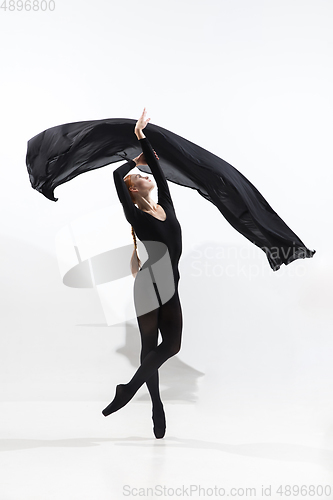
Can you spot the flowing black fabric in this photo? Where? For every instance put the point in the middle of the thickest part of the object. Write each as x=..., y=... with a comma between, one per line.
x=60, y=153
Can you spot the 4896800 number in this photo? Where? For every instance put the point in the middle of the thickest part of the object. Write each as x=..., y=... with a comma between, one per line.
x=26, y=5
x=311, y=490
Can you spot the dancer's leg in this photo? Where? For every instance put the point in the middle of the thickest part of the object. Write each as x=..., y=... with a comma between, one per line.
x=148, y=326
x=170, y=323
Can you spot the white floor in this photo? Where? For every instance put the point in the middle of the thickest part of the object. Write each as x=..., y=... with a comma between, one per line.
x=248, y=399
x=69, y=450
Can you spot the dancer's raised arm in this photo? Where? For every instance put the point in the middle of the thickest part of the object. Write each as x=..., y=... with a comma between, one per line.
x=151, y=158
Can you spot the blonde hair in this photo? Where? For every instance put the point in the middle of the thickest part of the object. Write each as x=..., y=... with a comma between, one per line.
x=135, y=261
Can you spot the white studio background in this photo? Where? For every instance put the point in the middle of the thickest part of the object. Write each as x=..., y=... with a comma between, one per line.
x=250, y=81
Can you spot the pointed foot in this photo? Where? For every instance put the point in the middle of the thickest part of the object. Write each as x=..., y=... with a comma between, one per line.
x=159, y=421
x=122, y=397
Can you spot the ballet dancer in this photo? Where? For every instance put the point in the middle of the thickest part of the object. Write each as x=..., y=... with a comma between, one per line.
x=151, y=222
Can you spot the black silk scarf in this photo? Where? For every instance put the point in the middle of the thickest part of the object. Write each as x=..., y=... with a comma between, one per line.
x=60, y=153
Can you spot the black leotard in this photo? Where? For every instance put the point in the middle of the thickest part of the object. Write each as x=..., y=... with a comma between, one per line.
x=146, y=226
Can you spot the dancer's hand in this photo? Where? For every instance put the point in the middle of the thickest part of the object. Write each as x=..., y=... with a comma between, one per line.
x=141, y=160
x=142, y=121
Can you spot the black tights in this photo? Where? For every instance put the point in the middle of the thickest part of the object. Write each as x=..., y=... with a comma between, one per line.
x=169, y=320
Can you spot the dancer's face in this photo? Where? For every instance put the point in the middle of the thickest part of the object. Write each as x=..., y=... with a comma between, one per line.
x=141, y=184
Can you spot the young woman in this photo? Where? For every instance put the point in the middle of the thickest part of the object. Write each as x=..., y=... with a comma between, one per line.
x=154, y=223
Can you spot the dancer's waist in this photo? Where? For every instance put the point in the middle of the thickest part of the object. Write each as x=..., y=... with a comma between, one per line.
x=157, y=274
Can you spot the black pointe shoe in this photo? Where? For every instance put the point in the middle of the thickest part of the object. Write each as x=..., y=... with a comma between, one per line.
x=122, y=397
x=159, y=422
